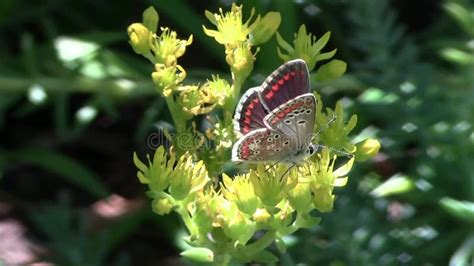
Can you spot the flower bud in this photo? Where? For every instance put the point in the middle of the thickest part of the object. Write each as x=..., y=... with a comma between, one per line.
x=261, y=215
x=240, y=60
x=367, y=149
x=162, y=206
x=139, y=36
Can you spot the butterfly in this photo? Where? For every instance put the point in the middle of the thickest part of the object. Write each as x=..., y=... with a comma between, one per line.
x=277, y=118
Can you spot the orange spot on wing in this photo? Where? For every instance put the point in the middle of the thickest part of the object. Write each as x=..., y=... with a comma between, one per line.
x=269, y=95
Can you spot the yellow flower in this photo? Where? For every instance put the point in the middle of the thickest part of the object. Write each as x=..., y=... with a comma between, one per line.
x=240, y=59
x=196, y=100
x=202, y=213
x=167, y=78
x=187, y=178
x=167, y=47
x=219, y=89
x=271, y=185
x=240, y=191
x=322, y=179
x=230, y=29
x=158, y=173
x=300, y=197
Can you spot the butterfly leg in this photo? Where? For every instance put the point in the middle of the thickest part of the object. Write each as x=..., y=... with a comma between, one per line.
x=271, y=166
x=287, y=170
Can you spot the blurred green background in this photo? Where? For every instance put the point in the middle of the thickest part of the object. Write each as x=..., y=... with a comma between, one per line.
x=76, y=101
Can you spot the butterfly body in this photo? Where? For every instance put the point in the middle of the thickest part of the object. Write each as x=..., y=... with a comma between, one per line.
x=277, y=118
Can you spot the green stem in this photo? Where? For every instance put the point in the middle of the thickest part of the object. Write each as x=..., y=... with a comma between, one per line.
x=179, y=120
x=260, y=244
x=176, y=114
x=229, y=107
x=222, y=259
x=188, y=222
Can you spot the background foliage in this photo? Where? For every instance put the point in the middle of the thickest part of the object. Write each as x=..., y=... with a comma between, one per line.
x=75, y=102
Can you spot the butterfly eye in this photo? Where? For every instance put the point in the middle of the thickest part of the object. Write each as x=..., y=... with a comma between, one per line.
x=269, y=139
x=258, y=141
x=277, y=150
x=308, y=111
x=286, y=142
x=276, y=136
x=287, y=121
x=256, y=152
x=300, y=122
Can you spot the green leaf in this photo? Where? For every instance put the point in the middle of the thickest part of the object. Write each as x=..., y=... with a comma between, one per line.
x=462, y=16
x=308, y=222
x=141, y=166
x=150, y=19
x=458, y=56
x=395, y=185
x=325, y=56
x=210, y=16
x=464, y=252
x=199, y=254
x=332, y=70
x=265, y=28
x=66, y=167
x=284, y=44
x=463, y=210
x=319, y=44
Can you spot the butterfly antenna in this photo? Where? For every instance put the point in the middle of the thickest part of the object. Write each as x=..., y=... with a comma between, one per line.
x=350, y=155
x=321, y=129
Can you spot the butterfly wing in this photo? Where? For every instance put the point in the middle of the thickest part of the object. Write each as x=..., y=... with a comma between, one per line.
x=285, y=83
x=294, y=118
x=250, y=112
x=262, y=145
